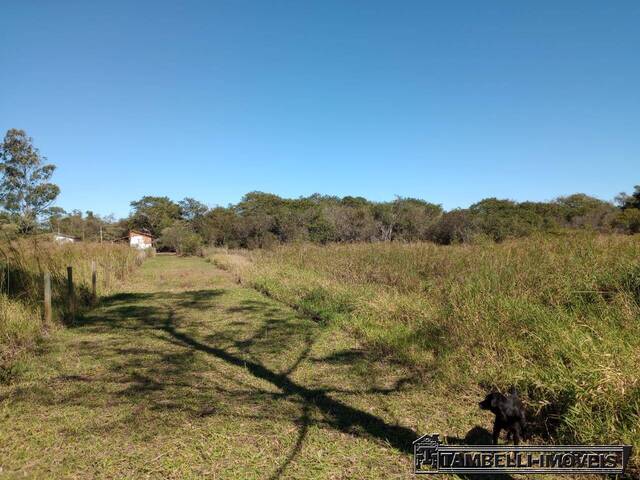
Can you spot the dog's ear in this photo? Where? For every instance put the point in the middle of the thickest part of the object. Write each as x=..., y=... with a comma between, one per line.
x=514, y=392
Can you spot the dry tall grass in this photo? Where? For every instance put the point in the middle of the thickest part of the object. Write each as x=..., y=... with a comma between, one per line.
x=557, y=316
x=22, y=264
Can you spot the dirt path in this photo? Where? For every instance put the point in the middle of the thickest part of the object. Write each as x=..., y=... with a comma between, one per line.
x=188, y=375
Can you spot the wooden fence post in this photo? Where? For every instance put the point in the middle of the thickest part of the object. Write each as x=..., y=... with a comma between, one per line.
x=94, y=281
x=70, y=294
x=47, y=298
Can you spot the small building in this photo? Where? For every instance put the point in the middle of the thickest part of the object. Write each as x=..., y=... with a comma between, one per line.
x=140, y=240
x=61, y=238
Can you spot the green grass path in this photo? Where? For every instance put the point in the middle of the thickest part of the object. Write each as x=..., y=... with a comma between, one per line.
x=187, y=375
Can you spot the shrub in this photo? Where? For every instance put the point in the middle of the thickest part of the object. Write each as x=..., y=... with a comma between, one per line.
x=181, y=239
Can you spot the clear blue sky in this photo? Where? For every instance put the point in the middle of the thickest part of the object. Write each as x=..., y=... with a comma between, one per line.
x=448, y=101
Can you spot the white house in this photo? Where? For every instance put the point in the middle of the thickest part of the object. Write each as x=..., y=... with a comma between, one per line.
x=140, y=240
x=60, y=238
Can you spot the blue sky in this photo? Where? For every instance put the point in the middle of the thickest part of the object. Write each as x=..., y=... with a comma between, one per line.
x=447, y=101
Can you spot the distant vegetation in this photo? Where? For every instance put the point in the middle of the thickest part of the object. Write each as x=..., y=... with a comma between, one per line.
x=264, y=220
x=555, y=315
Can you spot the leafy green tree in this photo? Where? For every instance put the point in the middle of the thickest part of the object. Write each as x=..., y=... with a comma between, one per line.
x=194, y=212
x=628, y=220
x=353, y=222
x=54, y=217
x=154, y=214
x=580, y=210
x=629, y=201
x=218, y=227
x=413, y=217
x=455, y=226
x=180, y=238
x=191, y=209
x=502, y=219
x=25, y=190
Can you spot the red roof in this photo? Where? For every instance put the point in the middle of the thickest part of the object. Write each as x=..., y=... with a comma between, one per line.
x=138, y=232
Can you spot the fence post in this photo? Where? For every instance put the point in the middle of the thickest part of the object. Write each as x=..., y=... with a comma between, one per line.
x=47, y=298
x=70, y=294
x=94, y=280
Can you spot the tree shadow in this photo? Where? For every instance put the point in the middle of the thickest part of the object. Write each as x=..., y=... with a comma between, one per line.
x=344, y=417
x=159, y=359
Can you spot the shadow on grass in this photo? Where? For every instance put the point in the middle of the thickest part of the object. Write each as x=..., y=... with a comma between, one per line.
x=156, y=348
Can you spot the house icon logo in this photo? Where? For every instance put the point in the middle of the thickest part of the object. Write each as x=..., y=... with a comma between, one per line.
x=425, y=453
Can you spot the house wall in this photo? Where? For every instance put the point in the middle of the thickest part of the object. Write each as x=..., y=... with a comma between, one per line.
x=140, y=241
x=61, y=239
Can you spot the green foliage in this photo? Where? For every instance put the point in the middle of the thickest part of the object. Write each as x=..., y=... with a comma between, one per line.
x=629, y=201
x=25, y=190
x=154, y=214
x=180, y=238
x=86, y=226
x=628, y=220
x=502, y=219
x=218, y=227
x=191, y=209
x=264, y=220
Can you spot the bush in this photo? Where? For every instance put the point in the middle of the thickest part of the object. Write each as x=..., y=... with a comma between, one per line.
x=628, y=220
x=181, y=239
x=190, y=244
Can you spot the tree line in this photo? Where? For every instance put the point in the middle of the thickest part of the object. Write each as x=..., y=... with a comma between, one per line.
x=261, y=220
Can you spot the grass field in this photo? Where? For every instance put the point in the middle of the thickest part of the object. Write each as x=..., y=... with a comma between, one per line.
x=557, y=316
x=186, y=373
x=22, y=264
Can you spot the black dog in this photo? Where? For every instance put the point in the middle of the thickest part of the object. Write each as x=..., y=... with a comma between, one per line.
x=509, y=415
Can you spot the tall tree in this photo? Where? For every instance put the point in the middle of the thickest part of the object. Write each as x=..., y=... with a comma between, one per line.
x=192, y=209
x=25, y=190
x=629, y=201
x=154, y=214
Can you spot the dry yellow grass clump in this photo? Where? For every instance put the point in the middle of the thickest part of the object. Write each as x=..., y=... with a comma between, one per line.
x=557, y=316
